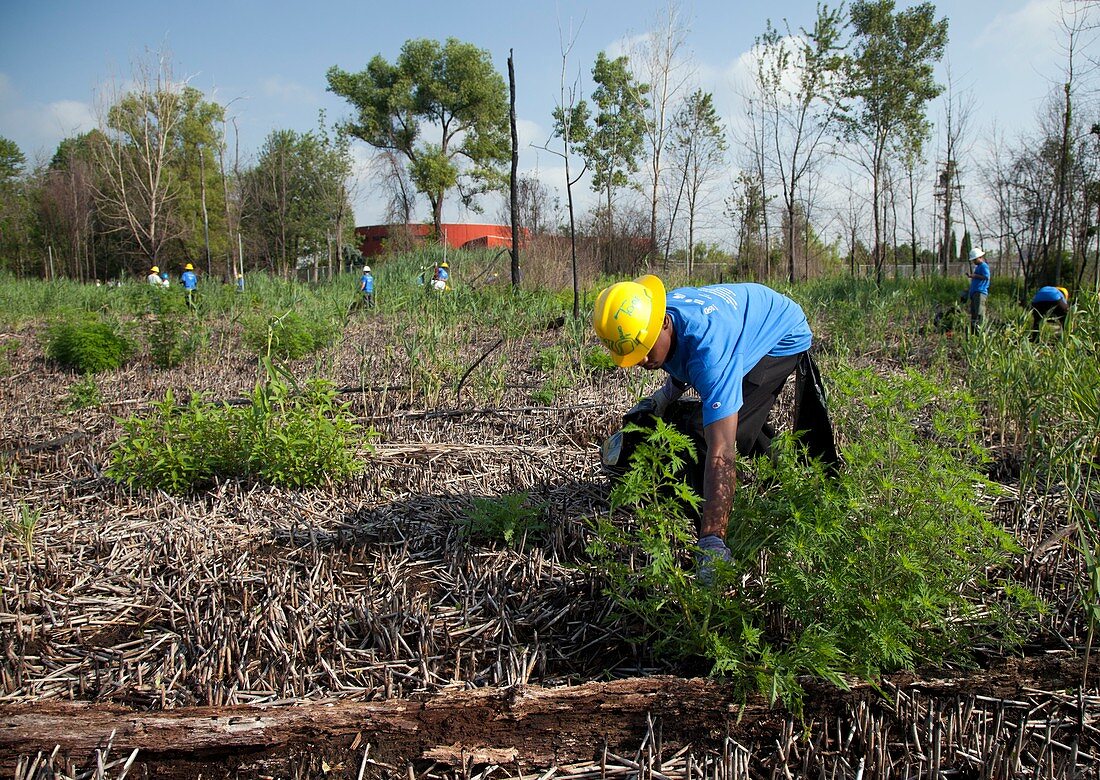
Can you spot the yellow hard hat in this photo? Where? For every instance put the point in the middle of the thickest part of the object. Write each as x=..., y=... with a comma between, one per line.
x=189, y=267
x=628, y=317
x=154, y=270
x=1064, y=291
x=444, y=264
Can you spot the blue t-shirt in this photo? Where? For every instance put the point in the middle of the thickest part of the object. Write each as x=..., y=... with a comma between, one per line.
x=189, y=280
x=981, y=284
x=1046, y=294
x=366, y=282
x=442, y=274
x=723, y=331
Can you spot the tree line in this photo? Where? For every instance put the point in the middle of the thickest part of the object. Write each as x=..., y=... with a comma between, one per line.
x=827, y=163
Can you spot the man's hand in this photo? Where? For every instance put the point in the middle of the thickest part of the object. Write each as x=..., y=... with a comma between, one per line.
x=711, y=550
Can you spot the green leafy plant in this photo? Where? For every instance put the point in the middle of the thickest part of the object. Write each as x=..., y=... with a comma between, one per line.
x=510, y=518
x=877, y=569
x=174, y=333
x=285, y=438
x=84, y=393
x=22, y=526
x=598, y=359
x=289, y=336
x=87, y=346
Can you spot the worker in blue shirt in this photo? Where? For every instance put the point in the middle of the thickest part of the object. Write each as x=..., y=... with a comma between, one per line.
x=366, y=287
x=190, y=281
x=1048, y=302
x=979, y=288
x=441, y=279
x=736, y=344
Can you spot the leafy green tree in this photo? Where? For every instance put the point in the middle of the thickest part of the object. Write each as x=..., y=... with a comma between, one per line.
x=200, y=213
x=290, y=204
x=890, y=81
x=450, y=89
x=12, y=160
x=614, y=140
x=16, y=222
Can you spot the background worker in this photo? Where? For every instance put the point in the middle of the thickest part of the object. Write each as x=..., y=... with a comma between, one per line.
x=1048, y=302
x=154, y=277
x=366, y=287
x=736, y=344
x=190, y=282
x=441, y=279
x=979, y=288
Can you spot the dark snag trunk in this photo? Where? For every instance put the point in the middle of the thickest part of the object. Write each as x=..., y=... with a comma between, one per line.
x=515, y=171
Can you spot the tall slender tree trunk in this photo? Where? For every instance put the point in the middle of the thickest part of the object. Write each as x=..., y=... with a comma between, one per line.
x=513, y=182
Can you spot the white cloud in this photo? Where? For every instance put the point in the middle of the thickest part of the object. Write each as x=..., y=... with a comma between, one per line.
x=1032, y=27
x=37, y=128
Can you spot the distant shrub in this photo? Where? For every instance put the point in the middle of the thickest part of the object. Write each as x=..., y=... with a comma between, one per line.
x=87, y=346
x=7, y=348
x=283, y=438
x=174, y=335
x=288, y=337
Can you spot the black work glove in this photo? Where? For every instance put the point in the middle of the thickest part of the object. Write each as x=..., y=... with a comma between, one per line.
x=711, y=550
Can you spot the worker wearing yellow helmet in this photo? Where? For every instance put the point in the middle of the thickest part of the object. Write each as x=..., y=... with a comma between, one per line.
x=1048, y=302
x=190, y=284
x=736, y=345
x=154, y=277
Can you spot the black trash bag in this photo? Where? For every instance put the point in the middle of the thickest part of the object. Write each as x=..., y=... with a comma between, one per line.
x=685, y=415
x=811, y=415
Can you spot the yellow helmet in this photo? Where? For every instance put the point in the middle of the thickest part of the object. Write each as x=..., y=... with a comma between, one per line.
x=628, y=317
x=154, y=270
x=444, y=264
x=189, y=267
x=1064, y=291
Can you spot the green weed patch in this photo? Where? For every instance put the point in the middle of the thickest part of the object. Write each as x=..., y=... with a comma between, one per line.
x=282, y=438
x=87, y=346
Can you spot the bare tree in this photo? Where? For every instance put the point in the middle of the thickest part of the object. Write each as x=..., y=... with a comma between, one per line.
x=396, y=187
x=957, y=113
x=660, y=57
x=138, y=192
x=570, y=125
x=698, y=150
x=798, y=77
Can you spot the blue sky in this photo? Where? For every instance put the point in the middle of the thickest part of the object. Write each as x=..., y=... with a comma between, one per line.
x=270, y=58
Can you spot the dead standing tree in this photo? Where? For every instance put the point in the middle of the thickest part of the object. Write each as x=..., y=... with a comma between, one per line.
x=139, y=192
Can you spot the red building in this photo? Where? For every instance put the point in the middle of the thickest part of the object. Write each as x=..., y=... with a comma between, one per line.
x=373, y=239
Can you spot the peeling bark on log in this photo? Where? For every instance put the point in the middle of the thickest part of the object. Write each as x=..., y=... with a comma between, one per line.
x=535, y=725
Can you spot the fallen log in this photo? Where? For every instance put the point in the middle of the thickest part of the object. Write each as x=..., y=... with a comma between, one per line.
x=537, y=726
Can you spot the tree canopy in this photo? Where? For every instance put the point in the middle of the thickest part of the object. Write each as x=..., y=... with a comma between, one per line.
x=451, y=90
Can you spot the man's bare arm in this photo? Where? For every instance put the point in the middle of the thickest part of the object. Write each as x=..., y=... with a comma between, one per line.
x=719, y=476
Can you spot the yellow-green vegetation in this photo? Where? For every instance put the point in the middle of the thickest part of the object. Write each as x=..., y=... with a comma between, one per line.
x=283, y=437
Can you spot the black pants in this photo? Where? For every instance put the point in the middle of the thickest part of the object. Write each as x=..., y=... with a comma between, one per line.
x=1042, y=309
x=760, y=389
